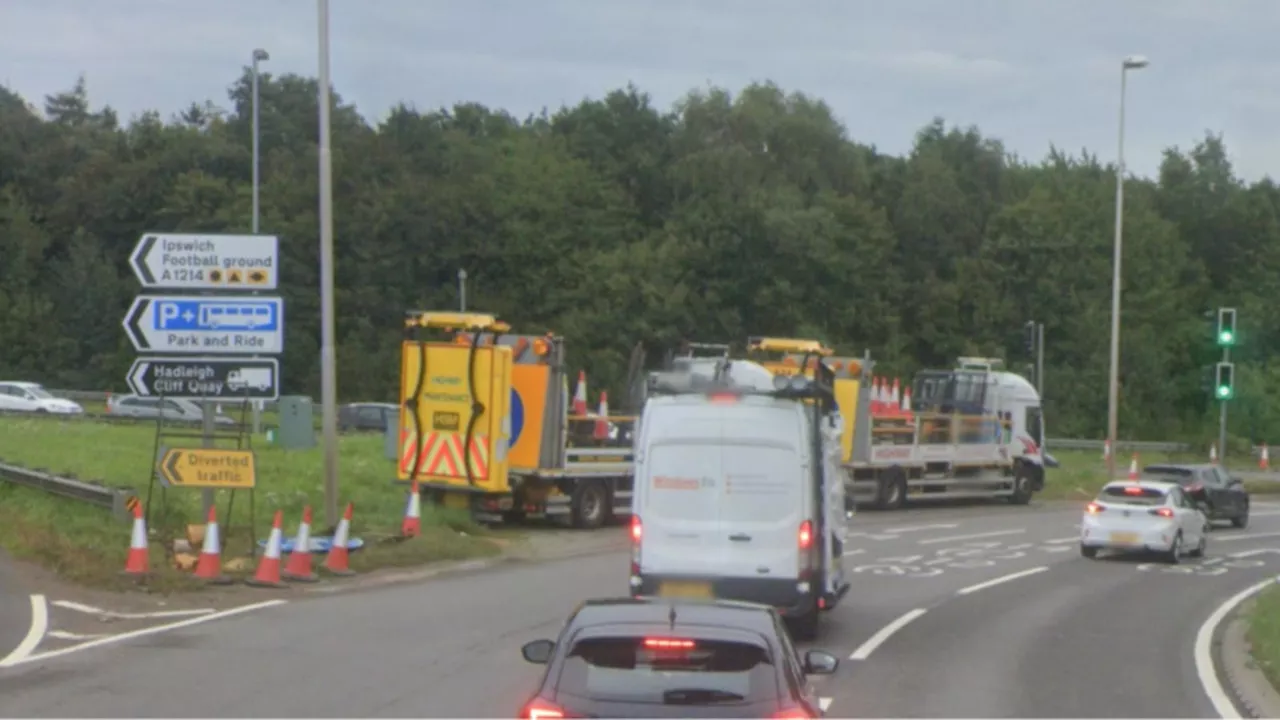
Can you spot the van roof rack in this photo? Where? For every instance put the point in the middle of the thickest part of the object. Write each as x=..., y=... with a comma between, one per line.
x=979, y=363
x=787, y=387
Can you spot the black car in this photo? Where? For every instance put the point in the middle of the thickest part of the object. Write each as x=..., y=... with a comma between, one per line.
x=371, y=417
x=652, y=658
x=1221, y=496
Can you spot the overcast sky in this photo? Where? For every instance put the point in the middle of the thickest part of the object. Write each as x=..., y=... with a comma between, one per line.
x=1030, y=72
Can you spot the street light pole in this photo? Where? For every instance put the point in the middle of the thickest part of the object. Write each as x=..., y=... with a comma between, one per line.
x=1133, y=62
x=328, y=371
x=462, y=290
x=259, y=55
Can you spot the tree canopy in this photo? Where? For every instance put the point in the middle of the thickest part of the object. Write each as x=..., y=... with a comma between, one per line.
x=615, y=222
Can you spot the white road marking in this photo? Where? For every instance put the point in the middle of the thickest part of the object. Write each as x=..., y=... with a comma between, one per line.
x=975, y=536
x=914, y=528
x=865, y=649
x=35, y=633
x=64, y=635
x=825, y=702
x=1251, y=553
x=91, y=610
x=1002, y=579
x=847, y=553
x=1205, y=667
x=1249, y=536
x=1055, y=541
x=153, y=630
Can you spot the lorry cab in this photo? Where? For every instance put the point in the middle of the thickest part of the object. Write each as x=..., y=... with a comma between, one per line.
x=739, y=493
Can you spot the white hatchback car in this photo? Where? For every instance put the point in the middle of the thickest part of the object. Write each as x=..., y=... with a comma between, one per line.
x=1144, y=516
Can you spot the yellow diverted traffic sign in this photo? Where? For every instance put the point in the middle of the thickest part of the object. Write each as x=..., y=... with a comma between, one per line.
x=216, y=468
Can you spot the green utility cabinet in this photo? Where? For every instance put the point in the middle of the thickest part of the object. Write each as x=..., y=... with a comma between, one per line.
x=297, y=423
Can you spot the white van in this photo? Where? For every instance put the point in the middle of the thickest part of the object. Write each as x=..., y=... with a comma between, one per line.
x=739, y=495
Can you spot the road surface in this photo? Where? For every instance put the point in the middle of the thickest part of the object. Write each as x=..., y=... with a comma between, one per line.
x=927, y=631
x=15, y=609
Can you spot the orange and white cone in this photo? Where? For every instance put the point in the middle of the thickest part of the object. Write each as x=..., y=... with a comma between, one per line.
x=209, y=566
x=1133, y=468
x=412, y=524
x=1213, y=453
x=580, y=395
x=877, y=406
x=895, y=399
x=336, y=562
x=1264, y=460
x=139, y=562
x=298, y=566
x=1106, y=449
x=906, y=402
x=268, y=572
x=602, y=425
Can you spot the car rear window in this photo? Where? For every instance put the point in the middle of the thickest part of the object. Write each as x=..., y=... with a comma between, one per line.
x=1176, y=475
x=670, y=671
x=1132, y=495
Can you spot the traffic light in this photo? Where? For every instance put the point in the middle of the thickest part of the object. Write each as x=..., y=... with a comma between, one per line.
x=1224, y=388
x=1226, y=327
x=1029, y=337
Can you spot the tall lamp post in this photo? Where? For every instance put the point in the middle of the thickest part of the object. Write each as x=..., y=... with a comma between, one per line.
x=1133, y=62
x=328, y=370
x=259, y=55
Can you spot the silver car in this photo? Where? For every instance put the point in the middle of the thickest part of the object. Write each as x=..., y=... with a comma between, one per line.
x=152, y=408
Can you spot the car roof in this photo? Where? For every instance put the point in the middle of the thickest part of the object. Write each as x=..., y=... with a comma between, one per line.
x=21, y=384
x=726, y=613
x=1157, y=485
x=1178, y=466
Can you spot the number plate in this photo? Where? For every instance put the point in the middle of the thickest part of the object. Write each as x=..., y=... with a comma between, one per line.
x=685, y=589
x=1125, y=538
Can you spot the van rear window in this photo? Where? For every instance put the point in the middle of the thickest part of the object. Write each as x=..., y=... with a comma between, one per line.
x=1132, y=495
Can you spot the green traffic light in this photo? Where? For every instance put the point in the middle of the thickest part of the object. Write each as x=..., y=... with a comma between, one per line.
x=1223, y=391
x=1225, y=337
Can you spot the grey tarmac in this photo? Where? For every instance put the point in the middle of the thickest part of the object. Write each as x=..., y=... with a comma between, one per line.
x=1062, y=636
x=15, y=608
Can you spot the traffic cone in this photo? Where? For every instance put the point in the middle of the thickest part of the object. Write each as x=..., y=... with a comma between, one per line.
x=209, y=566
x=1264, y=461
x=875, y=397
x=1106, y=449
x=602, y=425
x=1133, y=468
x=268, y=573
x=412, y=524
x=906, y=402
x=139, y=561
x=580, y=395
x=298, y=566
x=336, y=562
x=1213, y=453
x=895, y=400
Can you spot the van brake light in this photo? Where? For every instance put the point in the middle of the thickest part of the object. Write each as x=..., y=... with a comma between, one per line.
x=637, y=529
x=539, y=709
x=806, y=535
x=723, y=397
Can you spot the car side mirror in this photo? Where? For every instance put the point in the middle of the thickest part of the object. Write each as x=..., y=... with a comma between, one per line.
x=817, y=662
x=538, y=652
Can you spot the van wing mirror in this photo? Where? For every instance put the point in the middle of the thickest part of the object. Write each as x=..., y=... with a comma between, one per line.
x=538, y=652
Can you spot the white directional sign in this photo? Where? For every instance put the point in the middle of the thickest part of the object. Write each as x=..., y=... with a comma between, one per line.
x=248, y=378
x=223, y=325
x=184, y=261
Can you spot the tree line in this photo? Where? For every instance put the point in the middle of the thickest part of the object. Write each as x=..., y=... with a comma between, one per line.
x=615, y=222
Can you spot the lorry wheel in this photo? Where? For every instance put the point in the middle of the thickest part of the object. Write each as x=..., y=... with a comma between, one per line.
x=893, y=489
x=589, y=505
x=1021, y=486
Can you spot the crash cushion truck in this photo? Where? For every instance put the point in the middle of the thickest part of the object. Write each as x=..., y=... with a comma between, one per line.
x=485, y=425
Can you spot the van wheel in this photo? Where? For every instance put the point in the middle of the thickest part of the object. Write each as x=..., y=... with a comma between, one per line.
x=589, y=505
x=1021, y=486
x=893, y=489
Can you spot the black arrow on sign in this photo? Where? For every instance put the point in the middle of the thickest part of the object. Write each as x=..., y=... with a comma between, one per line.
x=139, y=337
x=140, y=259
x=171, y=468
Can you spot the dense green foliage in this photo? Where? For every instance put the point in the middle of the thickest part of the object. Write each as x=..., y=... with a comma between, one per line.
x=614, y=222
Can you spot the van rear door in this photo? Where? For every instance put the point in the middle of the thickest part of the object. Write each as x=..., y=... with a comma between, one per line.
x=725, y=492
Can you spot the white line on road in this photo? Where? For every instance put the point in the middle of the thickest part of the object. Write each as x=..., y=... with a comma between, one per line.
x=825, y=703
x=1205, y=667
x=64, y=635
x=1002, y=579
x=35, y=633
x=80, y=607
x=865, y=649
x=1249, y=536
x=153, y=630
x=1056, y=541
x=914, y=528
x=847, y=553
x=975, y=536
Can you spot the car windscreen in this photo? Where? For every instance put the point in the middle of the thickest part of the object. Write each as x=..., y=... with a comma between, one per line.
x=39, y=393
x=668, y=671
x=1132, y=495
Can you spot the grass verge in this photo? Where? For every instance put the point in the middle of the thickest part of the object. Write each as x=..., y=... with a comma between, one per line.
x=1082, y=474
x=88, y=546
x=1263, y=632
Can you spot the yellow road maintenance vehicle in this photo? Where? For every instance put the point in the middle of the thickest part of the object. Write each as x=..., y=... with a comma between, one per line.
x=485, y=425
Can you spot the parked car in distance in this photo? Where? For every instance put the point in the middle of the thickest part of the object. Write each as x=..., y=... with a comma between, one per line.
x=31, y=397
x=149, y=408
x=366, y=416
x=1221, y=496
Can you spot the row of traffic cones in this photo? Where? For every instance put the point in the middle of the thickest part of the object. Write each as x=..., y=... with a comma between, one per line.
x=269, y=573
x=600, y=431
x=1264, y=457
x=890, y=400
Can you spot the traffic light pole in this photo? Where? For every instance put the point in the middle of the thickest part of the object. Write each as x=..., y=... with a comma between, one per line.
x=1040, y=362
x=1222, y=416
